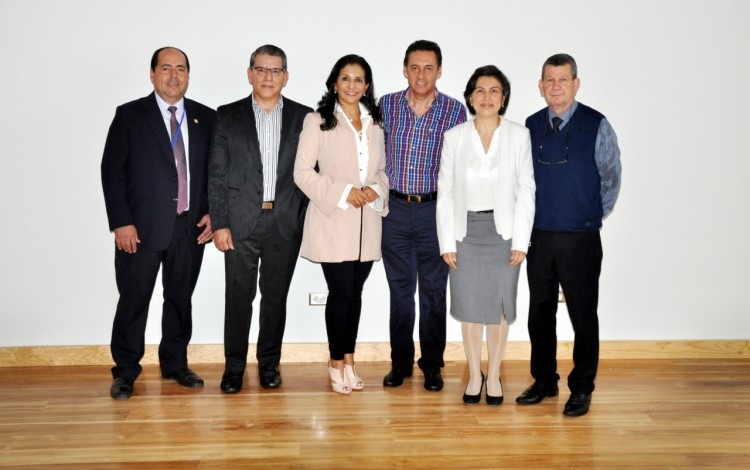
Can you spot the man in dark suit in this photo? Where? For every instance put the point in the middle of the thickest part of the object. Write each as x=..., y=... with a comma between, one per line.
x=257, y=213
x=154, y=179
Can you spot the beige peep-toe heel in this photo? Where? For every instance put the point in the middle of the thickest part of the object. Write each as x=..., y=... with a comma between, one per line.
x=339, y=384
x=355, y=381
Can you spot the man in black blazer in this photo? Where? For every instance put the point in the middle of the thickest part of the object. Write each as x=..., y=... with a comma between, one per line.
x=154, y=179
x=257, y=213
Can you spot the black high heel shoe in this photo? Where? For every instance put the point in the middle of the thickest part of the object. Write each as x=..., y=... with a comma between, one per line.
x=474, y=399
x=495, y=401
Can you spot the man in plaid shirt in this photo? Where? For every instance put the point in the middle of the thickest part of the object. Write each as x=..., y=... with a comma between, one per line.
x=414, y=121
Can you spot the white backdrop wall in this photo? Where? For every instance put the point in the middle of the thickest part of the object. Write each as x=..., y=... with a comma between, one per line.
x=670, y=75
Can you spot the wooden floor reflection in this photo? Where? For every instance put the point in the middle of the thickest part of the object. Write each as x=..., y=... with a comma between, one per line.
x=692, y=413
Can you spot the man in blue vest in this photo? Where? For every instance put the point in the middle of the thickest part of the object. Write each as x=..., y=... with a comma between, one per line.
x=577, y=171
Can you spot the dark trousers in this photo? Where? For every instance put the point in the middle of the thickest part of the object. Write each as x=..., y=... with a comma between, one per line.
x=411, y=255
x=344, y=306
x=265, y=258
x=136, y=277
x=572, y=261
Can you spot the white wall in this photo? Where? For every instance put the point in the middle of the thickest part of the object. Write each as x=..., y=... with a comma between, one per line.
x=670, y=76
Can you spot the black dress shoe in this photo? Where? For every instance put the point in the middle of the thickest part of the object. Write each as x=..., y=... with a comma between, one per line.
x=395, y=378
x=495, y=401
x=122, y=388
x=474, y=399
x=536, y=393
x=231, y=382
x=433, y=381
x=270, y=377
x=578, y=404
x=186, y=378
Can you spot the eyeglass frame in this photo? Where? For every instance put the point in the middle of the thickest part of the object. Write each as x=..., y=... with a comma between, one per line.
x=567, y=146
x=275, y=72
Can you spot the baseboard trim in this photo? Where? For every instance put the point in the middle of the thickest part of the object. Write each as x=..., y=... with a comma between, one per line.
x=28, y=356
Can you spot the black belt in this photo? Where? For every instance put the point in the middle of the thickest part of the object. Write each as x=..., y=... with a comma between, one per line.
x=183, y=214
x=415, y=198
x=484, y=212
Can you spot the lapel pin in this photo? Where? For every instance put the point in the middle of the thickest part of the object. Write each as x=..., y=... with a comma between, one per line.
x=195, y=121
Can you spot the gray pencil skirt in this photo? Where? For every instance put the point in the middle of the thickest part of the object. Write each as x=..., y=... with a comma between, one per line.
x=483, y=286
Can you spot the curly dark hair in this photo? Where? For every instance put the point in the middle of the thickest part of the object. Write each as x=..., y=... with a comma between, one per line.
x=327, y=103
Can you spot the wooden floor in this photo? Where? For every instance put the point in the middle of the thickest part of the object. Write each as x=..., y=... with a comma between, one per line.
x=692, y=413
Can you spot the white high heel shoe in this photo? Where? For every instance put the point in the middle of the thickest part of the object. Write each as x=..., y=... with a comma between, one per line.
x=355, y=381
x=339, y=384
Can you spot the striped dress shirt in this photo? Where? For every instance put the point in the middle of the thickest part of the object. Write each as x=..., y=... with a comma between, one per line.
x=268, y=126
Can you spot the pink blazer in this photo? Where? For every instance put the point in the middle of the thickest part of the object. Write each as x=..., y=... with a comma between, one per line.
x=331, y=234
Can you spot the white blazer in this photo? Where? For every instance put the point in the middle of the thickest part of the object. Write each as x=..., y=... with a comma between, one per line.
x=515, y=195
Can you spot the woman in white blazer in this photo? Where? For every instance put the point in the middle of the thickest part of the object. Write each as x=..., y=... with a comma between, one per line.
x=485, y=212
x=340, y=166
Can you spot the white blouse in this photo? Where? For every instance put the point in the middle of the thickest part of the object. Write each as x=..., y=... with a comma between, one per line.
x=363, y=155
x=482, y=173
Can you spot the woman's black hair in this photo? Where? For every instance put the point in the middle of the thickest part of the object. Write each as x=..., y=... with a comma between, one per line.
x=327, y=103
x=488, y=71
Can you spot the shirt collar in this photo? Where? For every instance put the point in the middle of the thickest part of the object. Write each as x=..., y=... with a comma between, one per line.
x=164, y=106
x=565, y=115
x=408, y=91
x=279, y=106
x=363, y=112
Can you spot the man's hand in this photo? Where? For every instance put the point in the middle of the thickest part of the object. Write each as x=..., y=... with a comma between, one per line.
x=223, y=240
x=206, y=235
x=126, y=238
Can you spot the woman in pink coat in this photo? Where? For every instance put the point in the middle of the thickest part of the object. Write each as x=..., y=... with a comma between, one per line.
x=340, y=166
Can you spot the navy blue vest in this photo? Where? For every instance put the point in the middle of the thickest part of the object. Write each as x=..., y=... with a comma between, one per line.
x=568, y=187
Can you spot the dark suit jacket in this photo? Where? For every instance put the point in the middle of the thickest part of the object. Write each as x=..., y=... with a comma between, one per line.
x=235, y=175
x=139, y=175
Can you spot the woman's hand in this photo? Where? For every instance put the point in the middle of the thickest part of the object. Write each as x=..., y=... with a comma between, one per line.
x=516, y=257
x=450, y=259
x=370, y=193
x=357, y=198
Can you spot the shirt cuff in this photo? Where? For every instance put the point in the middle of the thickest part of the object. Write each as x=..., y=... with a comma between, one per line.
x=377, y=204
x=343, y=205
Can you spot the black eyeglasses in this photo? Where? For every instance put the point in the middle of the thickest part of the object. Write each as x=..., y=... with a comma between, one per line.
x=274, y=71
x=554, y=161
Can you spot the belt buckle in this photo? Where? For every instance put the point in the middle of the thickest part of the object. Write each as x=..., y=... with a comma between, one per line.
x=413, y=198
x=267, y=205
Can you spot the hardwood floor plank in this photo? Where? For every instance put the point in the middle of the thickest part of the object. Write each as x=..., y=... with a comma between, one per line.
x=670, y=413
